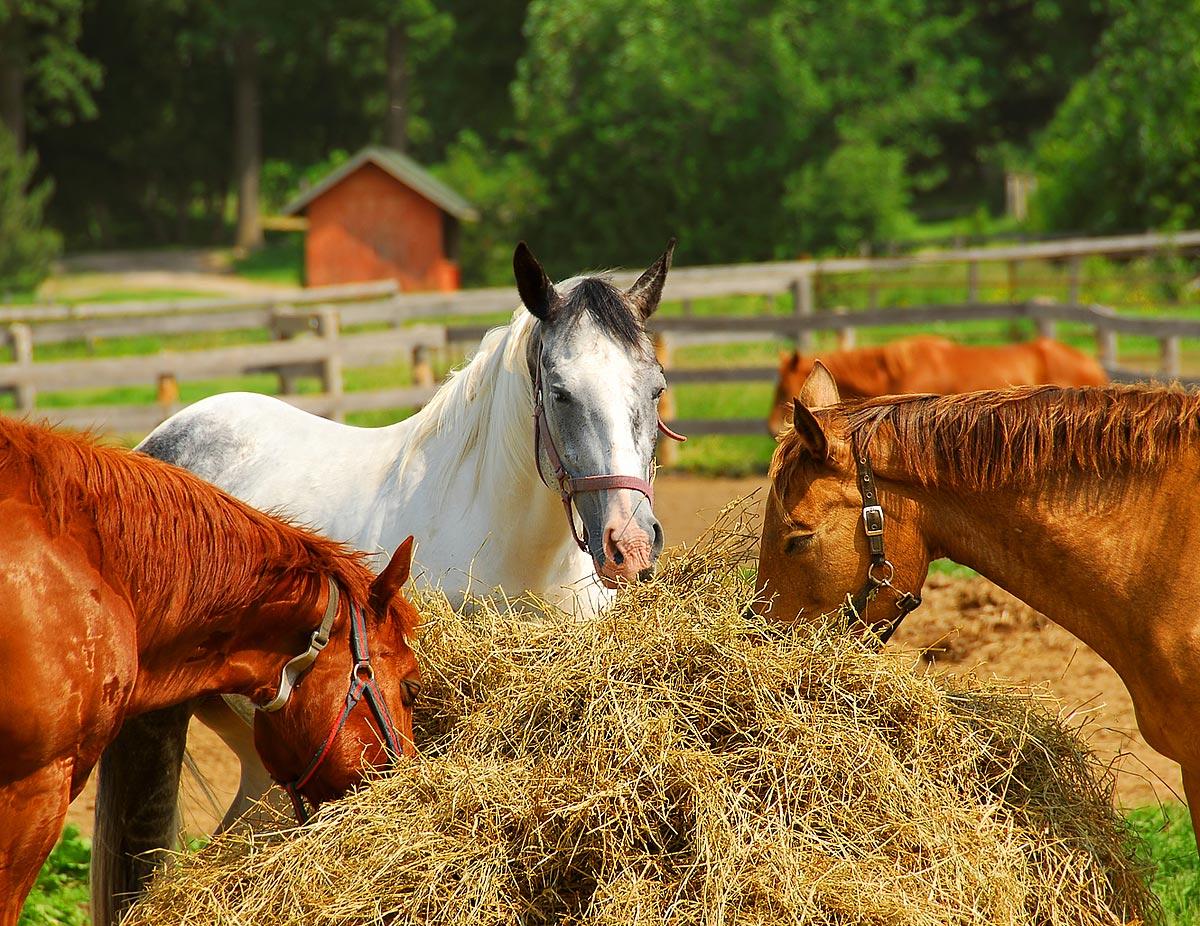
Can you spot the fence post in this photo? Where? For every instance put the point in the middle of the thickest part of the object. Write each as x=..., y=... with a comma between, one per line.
x=847, y=336
x=802, y=307
x=1074, y=279
x=1106, y=347
x=331, y=364
x=20, y=336
x=1046, y=328
x=1171, y=348
x=166, y=391
x=283, y=328
x=1014, y=267
x=668, y=450
x=973, y=282
x=422, y=369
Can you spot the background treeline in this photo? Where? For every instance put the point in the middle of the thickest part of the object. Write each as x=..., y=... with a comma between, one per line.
x=754, y=129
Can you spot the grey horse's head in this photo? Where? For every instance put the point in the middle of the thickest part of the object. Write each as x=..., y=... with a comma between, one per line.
x=600, y=387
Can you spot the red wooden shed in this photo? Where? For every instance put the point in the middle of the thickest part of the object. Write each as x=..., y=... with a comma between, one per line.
x=379, y=216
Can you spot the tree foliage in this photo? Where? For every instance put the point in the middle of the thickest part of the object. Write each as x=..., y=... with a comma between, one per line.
x=1123, y=151
x=26, y=248
x=752, y=129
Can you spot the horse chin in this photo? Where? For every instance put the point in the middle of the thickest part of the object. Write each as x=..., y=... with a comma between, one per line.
x=613, y=577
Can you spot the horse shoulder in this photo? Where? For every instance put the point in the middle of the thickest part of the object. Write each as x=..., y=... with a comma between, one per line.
x=69, y=650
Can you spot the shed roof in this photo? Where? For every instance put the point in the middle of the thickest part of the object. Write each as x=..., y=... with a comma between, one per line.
x=400, y=166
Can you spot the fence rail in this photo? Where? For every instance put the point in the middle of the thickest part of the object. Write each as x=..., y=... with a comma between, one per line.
x=315, y=332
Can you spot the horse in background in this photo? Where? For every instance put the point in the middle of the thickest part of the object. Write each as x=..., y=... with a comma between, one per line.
x=935, y=365
x=130, y=587
x=480, y=478
x=1081, y=502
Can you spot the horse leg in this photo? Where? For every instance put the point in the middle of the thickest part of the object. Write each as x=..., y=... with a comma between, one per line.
x=32, y=811
x=232, y=719
x=137, y=801
x=1191, y=788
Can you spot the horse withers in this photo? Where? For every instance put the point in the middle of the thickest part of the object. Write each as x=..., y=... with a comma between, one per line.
x=930, y=364
x=1081, y=502
x=129, y=587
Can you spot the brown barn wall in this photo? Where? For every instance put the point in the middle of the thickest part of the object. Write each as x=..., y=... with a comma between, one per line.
x=372, y=227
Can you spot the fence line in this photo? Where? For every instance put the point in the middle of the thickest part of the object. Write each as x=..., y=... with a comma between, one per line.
x=314, y=337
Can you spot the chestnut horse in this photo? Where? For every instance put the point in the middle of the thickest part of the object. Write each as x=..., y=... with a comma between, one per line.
x=930, y=364
x=1081, y=502
x=130, y=586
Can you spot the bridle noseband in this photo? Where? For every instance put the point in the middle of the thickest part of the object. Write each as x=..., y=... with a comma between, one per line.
x=362, y=685
x=569, y=486
x=880, y=570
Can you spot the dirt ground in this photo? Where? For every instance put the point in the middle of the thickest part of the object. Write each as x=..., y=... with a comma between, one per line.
x=964, y=625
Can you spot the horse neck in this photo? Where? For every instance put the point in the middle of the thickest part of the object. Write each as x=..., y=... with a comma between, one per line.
x=1081, y=548
x=470, y=460
x=214, y=589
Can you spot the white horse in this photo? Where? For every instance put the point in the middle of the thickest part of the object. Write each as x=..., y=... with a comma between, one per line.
x=461, y=475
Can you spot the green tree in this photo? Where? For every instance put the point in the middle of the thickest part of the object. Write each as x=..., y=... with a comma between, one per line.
x=1123, y=150
x=26, y=247
x=381, y=42
x=43, y=75
x=645, y=122
x=507, y=193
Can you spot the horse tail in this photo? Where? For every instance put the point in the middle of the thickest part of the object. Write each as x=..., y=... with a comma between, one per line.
x=137, y=808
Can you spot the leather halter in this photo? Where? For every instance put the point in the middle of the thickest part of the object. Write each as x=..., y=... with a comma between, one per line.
x=569, y=486
x=880, y=571
x=362, y=685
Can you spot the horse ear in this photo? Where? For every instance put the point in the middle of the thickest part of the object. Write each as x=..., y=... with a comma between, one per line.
x=809, y=430
x=819, y=389
x=646, y=293
x=537, y=292
x=394, y=575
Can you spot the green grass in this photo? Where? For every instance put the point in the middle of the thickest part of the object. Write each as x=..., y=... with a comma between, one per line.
x=280, y=260
x=1168, y=841
x=60, y=896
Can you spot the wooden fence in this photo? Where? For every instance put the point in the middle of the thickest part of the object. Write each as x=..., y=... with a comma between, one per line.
x=320, y=332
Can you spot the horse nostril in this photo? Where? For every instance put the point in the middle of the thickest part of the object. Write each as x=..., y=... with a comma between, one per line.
x=658, y=538
x=610, y=538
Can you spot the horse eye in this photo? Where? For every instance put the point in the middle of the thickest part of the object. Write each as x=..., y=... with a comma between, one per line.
x=797, y=542
x=561, y=395
x=659, y=392
x=409, y=689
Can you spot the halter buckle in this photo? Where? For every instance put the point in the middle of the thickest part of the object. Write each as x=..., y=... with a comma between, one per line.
x=362, y=667
x=872, y=516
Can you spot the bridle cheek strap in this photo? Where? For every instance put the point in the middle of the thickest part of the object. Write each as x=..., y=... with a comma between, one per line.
x=569, y=486
x=362, y=686
x=880, y=570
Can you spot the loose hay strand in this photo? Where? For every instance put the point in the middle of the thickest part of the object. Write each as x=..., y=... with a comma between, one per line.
x=676, y=762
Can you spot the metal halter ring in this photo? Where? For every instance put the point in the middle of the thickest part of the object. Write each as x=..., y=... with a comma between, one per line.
x=885, y=580
x=362, y=667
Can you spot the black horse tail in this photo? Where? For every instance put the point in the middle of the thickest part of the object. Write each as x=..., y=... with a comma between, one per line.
x=137, y=808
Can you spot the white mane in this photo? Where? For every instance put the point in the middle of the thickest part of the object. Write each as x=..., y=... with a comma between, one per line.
x=487, y=404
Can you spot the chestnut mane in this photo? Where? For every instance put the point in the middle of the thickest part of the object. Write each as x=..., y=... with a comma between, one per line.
x=999, y=438
x=172, y=537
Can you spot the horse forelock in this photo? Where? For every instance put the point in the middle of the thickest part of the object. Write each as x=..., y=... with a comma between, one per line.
x=150, y=517
x=1009, y=437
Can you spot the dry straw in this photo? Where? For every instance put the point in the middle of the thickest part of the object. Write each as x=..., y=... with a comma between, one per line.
x=676, y=762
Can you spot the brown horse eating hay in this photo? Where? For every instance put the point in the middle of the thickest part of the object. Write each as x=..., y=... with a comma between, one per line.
x=1081, y=502
x=930, y=364
x=128, y=586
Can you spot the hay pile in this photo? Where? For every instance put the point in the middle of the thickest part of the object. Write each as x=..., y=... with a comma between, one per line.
x=677, y=763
